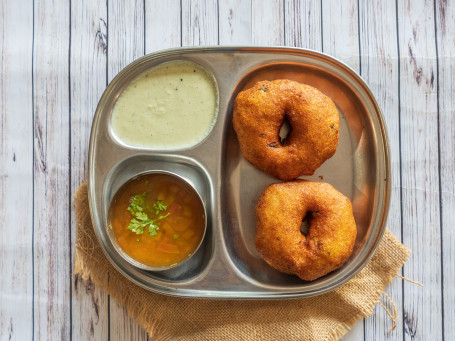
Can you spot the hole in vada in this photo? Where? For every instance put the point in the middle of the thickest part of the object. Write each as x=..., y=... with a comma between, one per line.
x=305, y=226
x=285, y=131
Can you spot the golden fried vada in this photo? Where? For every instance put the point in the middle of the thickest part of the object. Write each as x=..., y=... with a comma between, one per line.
x=259, y=113
x=331, y=235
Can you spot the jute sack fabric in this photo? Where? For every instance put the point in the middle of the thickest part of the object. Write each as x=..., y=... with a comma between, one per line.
x=324, y=317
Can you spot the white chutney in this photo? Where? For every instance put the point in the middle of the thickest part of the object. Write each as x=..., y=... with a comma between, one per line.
x=172, y=105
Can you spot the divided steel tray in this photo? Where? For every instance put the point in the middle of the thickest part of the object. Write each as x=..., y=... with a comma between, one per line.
x=227, y=264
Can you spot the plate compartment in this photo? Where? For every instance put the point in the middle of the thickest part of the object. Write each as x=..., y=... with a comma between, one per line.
x=227, y=264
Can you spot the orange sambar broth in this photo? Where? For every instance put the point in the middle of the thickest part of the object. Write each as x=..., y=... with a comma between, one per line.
x=179, y=234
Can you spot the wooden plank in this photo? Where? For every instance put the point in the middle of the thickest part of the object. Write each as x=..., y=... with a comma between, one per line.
x=235, y=22
x=355, y=333
x=125, y=34
x=379, y=64
x=123, y=327
x=199, y=22
x=419, y=169
x=16, y=171
x=340, y=32
x=125, y=44
x=340, y=38
x=445, y=17
x=88, y=80
x=302, y=26
x=162, y=25
x=52, y=251
x=267, y=21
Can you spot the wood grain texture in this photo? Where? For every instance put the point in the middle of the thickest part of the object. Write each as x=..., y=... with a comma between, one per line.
x=340, y=38
x=199, y=22
x=87, y=83
x=123, y=327
x=379, y=64
x=340, y=31
x=419, y=169
x=162, y=25
x=125, y=31
x=52, y=250
x=267, y=22
x=56, y=58
x=235, y=22
x=16, y=171
x=303, y=26
x=445, y=28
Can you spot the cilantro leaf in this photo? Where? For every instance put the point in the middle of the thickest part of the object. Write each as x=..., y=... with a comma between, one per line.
x=141, y=216
x=137, y=205
x=140, y=220
x=153, y=228
x=136, y=226
x=159, y=206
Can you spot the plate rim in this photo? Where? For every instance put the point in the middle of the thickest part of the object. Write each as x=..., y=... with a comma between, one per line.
x=247, y=49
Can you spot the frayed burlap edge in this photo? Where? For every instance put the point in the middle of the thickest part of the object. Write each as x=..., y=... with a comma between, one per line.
x=325, y=317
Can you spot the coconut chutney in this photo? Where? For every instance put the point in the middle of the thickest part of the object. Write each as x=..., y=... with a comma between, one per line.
x=172, y=105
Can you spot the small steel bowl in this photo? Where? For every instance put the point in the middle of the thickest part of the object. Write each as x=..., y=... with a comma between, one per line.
x=136, y=263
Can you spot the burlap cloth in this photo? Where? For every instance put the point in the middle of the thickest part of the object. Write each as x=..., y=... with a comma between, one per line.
x=324, y=317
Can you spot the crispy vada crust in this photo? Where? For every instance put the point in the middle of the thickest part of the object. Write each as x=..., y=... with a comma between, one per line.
x=332, y=230
x=259, y=113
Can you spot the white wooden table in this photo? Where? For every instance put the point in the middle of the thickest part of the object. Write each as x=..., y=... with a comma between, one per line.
x=56, y=58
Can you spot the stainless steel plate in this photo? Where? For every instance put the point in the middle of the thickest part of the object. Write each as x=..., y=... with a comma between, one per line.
x=227, y=264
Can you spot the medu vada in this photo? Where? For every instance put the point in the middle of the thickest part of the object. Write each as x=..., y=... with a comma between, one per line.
x=259, y=114
x=331, y=234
